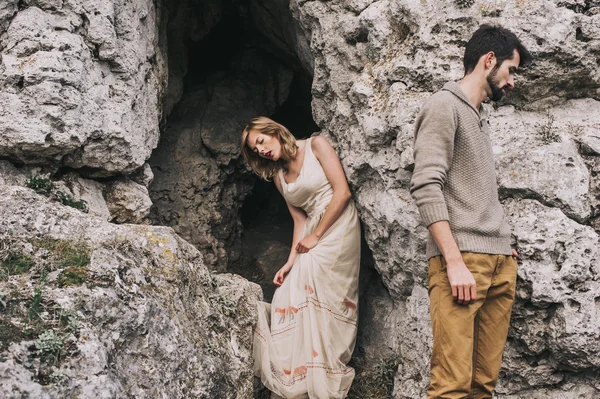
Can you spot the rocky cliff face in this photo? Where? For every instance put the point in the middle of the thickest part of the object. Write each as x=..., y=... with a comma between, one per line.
x=375, y=63
x=97, y=310
x=81, y=83
x=83, y=88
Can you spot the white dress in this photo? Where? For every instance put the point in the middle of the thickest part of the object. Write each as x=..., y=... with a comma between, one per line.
x=305, y=338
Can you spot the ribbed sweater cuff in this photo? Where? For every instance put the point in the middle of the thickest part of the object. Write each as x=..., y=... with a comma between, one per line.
x=431, y=213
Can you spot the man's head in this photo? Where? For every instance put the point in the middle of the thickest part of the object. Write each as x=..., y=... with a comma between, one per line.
x=495, y=53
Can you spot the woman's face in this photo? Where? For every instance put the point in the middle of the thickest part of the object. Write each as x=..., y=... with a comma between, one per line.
x=264, y=145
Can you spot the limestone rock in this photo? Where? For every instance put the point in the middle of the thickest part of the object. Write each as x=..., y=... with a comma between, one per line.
x=10, y=175
x=89, y=191
x=545, y=162
x=375, y=63
x=81, y=83
x=143, y=175
x=127, y=201
x=132, y=310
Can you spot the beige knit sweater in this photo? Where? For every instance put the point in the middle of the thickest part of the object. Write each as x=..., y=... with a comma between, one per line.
x=454, y=177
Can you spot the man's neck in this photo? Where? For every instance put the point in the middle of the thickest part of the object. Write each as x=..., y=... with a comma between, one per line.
x=474, y=89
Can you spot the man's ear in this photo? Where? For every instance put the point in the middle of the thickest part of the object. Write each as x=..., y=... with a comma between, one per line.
x=490, y=60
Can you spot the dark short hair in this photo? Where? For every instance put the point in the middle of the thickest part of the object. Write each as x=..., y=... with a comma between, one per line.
x=497, y=39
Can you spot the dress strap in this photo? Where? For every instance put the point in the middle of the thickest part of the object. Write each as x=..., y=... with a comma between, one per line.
x=281, y=179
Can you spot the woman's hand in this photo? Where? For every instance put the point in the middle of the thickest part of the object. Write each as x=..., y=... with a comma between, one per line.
x=281, y=274
x=307, y=243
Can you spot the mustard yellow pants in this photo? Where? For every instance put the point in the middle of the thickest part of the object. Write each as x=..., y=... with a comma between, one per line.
x=468, y=340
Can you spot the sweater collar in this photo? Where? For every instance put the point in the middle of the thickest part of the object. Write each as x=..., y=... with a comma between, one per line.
x=455, y=89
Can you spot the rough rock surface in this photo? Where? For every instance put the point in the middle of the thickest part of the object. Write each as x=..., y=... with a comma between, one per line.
x=80, y=83
x=89, y=191
x=375, y=63
x=98, y=310
x=127, y=201
x=199, y=182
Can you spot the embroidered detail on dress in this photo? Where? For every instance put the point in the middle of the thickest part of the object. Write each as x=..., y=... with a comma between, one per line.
x=281, y=312
x=299, y=370
x=349, y=305
x=292, y=311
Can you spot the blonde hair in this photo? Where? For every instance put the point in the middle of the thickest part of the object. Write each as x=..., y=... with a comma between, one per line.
x=266, y=168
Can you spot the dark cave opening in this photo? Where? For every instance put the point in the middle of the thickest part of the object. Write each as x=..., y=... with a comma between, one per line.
x=218, y=81
x=267, y=224
x=220, y=76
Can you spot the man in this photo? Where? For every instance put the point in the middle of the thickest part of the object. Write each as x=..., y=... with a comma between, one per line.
x=472, y=268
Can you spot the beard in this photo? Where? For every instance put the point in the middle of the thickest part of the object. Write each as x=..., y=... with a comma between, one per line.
x=497, y=92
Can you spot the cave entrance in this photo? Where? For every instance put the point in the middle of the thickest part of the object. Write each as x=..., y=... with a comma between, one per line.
x=267, y=223
x=223, y=71
x=227, y=65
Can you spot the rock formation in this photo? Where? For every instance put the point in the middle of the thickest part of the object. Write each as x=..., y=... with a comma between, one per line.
x=81, y=83
x=87, y=88
x=375, y=63
x=94, y=309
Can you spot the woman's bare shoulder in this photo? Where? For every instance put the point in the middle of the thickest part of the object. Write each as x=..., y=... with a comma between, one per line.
x=320, y=145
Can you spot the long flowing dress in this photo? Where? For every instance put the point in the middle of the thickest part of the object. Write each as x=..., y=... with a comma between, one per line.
x=305, y=337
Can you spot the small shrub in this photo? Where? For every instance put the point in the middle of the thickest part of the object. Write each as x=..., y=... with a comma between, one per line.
x=373, y=381
x=73, y=276
x=40, y=184
x=49, y=347
x=464, y=3
x=547, y=131
x=67, y=199
x=16, y=264
x=45, y=186
x=57, y=377
x=35, y=309
x=69, y=322
x=372, y=53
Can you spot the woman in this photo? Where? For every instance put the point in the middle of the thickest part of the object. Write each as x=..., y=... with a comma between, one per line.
x=305, y=338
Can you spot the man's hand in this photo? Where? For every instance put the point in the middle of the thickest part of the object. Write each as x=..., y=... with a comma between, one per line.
x=464, y=290
x=515, y=253
x=307, y=243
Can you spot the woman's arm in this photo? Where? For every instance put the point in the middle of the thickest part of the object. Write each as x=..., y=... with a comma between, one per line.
x=341, y=192
x=299, y=218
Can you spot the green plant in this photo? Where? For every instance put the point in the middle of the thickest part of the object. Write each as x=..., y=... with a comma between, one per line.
x=372, y=53
x=45, y=186
x=373, y=381
x=65, y=253
x=464, y=3
x=57, y=377
x=69, y=321
x=73, y=276
x=40, y=184
x=67, y=199
x=49, y=347
x=16, y=264
x=547, y=131
x=35, y=309
x=43, y=275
